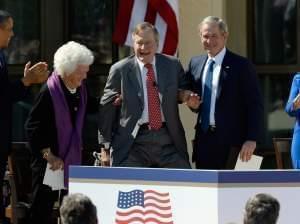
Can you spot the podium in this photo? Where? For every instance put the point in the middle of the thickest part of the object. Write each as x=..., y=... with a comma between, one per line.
x=145, y=195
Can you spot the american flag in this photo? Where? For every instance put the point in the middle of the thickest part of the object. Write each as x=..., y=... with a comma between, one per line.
x=161, y=13
x=143, y=207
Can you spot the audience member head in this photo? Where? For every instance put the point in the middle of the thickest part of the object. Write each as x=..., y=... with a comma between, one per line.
x=78, y=209
x=261, y=209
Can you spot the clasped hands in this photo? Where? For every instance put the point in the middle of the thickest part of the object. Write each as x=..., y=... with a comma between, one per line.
x=190, y=98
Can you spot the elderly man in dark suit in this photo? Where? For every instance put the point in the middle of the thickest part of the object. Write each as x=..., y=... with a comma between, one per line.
x=11, y=92
x=139, y=109
x=230, y=113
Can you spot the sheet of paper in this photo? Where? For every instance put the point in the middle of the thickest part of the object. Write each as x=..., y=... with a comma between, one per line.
x=253, y=164
x=54, y=179
x=136, y=129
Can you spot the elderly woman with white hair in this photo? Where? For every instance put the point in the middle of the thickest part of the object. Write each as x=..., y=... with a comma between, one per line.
x=55, y=123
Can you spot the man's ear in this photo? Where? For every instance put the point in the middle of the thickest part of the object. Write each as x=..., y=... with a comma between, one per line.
x=226, y=34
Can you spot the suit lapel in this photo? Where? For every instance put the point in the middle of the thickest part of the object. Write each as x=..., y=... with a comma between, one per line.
x=225, y=69
x=161, y=72
x=200, y=73
x=135, y=78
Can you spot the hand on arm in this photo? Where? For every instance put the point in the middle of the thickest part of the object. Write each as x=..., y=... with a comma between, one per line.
x=247, y=150
x=105, y=154
x=118, y=100
x=37, y=73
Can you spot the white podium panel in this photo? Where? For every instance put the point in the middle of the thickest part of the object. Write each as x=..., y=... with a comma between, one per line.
x=173, y=196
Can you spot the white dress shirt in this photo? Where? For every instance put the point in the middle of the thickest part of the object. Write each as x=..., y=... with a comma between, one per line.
x=144, y=70
x=218, y=59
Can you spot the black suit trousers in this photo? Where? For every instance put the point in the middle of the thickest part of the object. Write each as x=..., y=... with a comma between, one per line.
x=210, y=153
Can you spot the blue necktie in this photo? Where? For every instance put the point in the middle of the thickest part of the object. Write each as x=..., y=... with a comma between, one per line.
x=207, y=96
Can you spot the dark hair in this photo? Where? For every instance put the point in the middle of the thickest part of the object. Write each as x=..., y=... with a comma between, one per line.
x=4, y=16
x=78, y=209
x=261, y=209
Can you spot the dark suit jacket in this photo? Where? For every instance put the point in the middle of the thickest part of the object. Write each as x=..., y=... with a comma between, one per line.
x=117, y=123
x=239, y=108
x=10, y=92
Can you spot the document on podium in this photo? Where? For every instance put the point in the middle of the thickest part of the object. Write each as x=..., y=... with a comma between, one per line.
x=54, y=178
x=253, y=164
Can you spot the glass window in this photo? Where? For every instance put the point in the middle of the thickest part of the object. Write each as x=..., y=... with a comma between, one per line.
x=91, y=25
x=276, y=92
x=275, y=31
x=25, y=44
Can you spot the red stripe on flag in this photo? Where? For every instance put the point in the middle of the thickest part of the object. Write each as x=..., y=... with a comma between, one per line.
x=123, y=20
x=168, y=15
x=138, y=211
x=139, y=220
x=150, y=14
x=157, y=193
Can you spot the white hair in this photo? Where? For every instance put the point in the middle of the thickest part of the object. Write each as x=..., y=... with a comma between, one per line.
x=69, y=56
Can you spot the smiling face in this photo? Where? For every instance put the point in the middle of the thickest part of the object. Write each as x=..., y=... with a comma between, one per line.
x=212, y=38
x=145, y=45
x=6, y=32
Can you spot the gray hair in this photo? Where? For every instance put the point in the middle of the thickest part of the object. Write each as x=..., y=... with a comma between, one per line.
x=145, y=26
x=78, y=209
x=69, y=56
x=214, y=20
x=4, y=16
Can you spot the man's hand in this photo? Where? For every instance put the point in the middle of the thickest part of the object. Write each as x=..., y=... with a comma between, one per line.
x=190, y=98
x=105, y=157
x=37, y=73
x=118, y=100
x=247, y=150
x=193, y=101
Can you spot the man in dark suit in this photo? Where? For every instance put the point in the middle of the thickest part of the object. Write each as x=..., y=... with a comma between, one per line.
x=11, y=92
x=144, y=127
x=230, y=113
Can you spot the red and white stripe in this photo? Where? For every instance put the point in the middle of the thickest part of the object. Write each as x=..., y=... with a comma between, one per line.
x=161, y=13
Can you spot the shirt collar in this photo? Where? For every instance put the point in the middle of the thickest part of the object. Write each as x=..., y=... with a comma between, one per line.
x=141, y=64
x=219, y=57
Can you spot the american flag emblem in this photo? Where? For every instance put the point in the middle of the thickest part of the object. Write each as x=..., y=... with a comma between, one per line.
x=143, y=207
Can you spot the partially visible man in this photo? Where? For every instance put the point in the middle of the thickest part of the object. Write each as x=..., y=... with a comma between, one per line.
x=139, y=108
x=11, y=92
x=261, y=209
x=230, y=113
x=78, y=209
